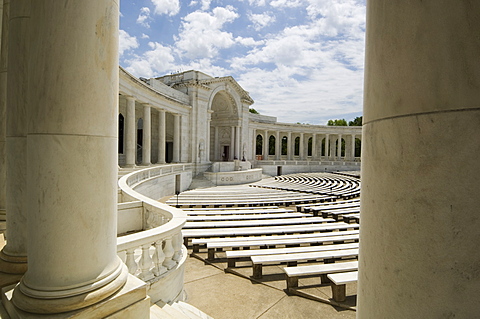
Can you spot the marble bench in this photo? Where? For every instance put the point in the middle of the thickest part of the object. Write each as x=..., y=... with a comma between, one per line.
x=293, y=273
x=256, y=222
x=252, y=231
x=234, y=255
x=232, y=217
x=339, y=282
x=196, y=242
x=292, y=259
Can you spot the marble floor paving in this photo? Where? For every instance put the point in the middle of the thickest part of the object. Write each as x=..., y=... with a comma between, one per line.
x=227, y=295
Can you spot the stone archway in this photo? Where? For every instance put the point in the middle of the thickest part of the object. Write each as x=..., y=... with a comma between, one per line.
x=224, y=127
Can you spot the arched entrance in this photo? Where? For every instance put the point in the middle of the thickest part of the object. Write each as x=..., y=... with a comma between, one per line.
x=224, y=128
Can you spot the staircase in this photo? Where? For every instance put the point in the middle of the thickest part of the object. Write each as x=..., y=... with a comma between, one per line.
x=178, y=310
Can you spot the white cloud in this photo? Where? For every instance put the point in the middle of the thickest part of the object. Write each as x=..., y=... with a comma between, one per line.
x=126, y=42
x=201, y=34
x=157, y=61
x=286, y=3
x=248, y=42
x=144, y=17
x=205, y=4
x=256, y=3
x=336, y=17
x=145, y=36
x=262, y=20
x=170, y=7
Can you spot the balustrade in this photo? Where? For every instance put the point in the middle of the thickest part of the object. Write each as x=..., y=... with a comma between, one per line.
x=158, y=250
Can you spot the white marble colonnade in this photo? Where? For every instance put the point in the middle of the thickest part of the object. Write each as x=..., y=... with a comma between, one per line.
x=72, y=259
x=332, y=147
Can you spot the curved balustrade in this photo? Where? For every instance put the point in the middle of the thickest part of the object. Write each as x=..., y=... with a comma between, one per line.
x=156, y=255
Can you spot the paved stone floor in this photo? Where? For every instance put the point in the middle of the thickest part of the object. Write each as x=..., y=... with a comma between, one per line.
x=226, y=295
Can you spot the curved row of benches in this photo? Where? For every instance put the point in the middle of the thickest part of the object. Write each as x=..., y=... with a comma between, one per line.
x=321, y=232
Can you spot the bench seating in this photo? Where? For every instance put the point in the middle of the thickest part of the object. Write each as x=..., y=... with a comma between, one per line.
x=256, y=222
x=212, y=247
x=235, y=255
x=293, y=273
x=239, y=211
x=244, y=216
x=246, y=231
x=292, y=259
x=339, y=282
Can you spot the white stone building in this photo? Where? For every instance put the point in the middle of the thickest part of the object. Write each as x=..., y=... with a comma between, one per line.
x=191, y=117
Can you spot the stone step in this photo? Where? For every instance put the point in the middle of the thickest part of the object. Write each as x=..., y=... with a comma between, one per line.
x=178, y=310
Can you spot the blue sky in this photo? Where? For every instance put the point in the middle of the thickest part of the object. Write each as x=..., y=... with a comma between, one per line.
x=300, y=60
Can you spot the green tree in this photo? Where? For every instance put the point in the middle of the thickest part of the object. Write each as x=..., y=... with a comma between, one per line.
x=341, y=122
x=252, y=110
x=356, y=122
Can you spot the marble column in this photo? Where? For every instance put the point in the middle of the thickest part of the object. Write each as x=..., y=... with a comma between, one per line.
x=265, y=145
x=216, y=152
x=419, y=255
x=207, y=142
x=237, y=143
x=353, y=148
x=176, y=138
x=130, y=133
x=278, y=148
x=71, y=154
x=339, y=147
x=314, y=147
x=254, y=148
x=332, y=147
x=289, y=146
x=232, y=143
x=3, y=106
x=161, y=136
x=13, y=257
x=327, y=138
x=302, y=146
x=147, y=135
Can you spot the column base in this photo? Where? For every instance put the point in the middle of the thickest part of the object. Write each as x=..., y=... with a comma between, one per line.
x=12, y=264
x=131, y=301
x=51, y=301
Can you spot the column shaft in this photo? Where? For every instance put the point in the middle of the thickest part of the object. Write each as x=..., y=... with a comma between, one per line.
x=232, y=143
x=3, y=107
x=278, y=149
x=161, y=136
x=130, y=143
x=353, y=147
x=16, y=141
x=147, y=135
x=419, y=255
x=71, y=156
x=289, y=146
x=302, y=147
x=237, y=142
x=207, y=142
x=339, y=146
x=216, y=151
x=176, y=138
x=266, y=146
x=314, y=147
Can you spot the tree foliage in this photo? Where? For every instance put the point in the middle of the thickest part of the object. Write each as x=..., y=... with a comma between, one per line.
x=356, y=122
x=252, y=110
x=341, y=122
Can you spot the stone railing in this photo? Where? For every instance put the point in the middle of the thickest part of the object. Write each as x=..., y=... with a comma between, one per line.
x=156, y=254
